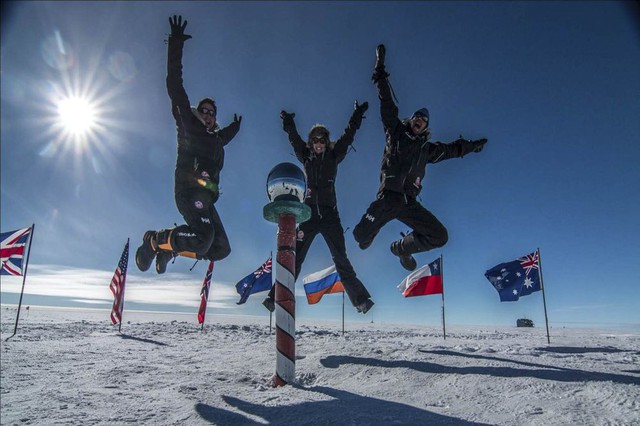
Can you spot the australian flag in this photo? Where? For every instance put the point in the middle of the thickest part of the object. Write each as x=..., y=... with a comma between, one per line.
x=517, y=278
x=257, y=281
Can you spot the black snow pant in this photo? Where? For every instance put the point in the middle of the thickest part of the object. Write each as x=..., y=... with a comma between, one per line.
x=325, y=220
x=428, y=232
x=203, y=234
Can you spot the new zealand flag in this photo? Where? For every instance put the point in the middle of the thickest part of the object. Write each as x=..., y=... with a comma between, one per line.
x=259, y=280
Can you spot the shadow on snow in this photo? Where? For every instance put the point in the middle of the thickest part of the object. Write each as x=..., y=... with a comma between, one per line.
x=345, y=408
x=140, y=339
x=544, y=372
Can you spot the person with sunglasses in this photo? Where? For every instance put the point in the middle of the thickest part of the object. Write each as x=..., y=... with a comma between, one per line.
x=320, y=158
x=407, y=152
x=200, y=159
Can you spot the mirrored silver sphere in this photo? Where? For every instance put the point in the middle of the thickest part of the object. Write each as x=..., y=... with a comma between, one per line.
x=286, y=182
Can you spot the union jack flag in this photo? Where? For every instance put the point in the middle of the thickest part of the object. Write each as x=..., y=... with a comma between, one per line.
x=12, y=247
x=117, y=286
x=529, y=262
x=204, y=293
x=257, y=281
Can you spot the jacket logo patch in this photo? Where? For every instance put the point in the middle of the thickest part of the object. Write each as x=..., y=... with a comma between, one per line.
x=205, y=220
x=300, y=235
x=198, y=204
x=370, y=218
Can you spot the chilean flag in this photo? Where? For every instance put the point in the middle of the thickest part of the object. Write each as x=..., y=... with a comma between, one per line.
x=423, y=281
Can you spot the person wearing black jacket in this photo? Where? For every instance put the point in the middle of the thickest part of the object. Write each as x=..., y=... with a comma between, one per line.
x=320, y=158
x=406, y=153
x=200, y=159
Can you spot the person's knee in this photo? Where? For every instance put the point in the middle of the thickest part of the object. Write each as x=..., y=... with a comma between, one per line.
x=219, y=252
x=441, y=238
x=362, y=237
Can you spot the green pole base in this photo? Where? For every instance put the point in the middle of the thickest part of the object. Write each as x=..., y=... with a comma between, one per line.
x=273, y=210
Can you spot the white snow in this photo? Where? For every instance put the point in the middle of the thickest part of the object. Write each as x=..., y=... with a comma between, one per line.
x=74, y=367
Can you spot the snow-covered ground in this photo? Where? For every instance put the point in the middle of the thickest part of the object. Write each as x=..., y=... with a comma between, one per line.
x=73, y=367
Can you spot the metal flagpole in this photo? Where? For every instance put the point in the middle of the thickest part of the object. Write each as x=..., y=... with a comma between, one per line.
x=444, y=332
x=544, y=300
x=24, y=278
x=123, y=287
x=343, y=312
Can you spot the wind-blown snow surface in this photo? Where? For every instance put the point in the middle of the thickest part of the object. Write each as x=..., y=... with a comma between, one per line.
x=73, y=367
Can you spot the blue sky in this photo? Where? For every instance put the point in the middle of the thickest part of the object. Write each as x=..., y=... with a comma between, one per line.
x=552, y=85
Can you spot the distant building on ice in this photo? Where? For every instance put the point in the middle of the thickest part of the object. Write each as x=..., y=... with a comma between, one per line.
x=524, y=322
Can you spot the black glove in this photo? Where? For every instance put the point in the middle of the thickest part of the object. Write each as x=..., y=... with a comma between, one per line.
x=381, y=52
x=237, y=119
x=361, y=108
x=379, y=72
x=287, y=121
x=479, y=144
x=177, y=28
x=358, y=114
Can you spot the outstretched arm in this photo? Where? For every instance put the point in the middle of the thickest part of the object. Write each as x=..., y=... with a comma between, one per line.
x=289, y=126
x=388, y=108
x=346, y=139
x=439, y=151
x=175, y=88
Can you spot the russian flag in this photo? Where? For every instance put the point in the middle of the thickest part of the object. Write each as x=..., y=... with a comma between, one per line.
x=423, y=281
x=322, y=282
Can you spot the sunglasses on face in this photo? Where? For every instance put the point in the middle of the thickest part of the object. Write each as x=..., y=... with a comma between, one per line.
x=319, y=139
x=205, y=110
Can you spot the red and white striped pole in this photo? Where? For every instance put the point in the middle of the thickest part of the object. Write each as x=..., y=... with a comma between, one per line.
x=285, y=301
x=286, y=188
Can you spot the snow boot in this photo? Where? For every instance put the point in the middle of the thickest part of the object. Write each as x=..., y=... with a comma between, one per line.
x=364, y=307
x=403, y=248
x=146, y=252
x=162, y=259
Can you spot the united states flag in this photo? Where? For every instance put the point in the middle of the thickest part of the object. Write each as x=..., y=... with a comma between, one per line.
x=204, y=293
x=117, y=286
x=12, y=245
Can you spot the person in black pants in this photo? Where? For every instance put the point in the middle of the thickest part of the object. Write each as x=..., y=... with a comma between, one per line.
x=200, y=158
x=406, y=153
x=320, y=158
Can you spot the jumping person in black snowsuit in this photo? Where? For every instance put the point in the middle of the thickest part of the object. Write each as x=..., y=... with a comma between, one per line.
x=321, y=157
x=200, y=158
x=406, y=153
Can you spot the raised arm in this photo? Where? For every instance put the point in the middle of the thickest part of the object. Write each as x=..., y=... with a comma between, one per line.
x=346, y=139
x=229, y=132
x=179, y=100
x=289, y=126
x=388, y=108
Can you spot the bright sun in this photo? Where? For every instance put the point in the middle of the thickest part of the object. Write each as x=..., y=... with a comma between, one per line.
x=77, y=115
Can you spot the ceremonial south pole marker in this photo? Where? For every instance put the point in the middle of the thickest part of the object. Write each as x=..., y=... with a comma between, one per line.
x=286, y=189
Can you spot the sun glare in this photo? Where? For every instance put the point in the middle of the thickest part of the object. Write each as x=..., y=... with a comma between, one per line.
x=77, y=115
